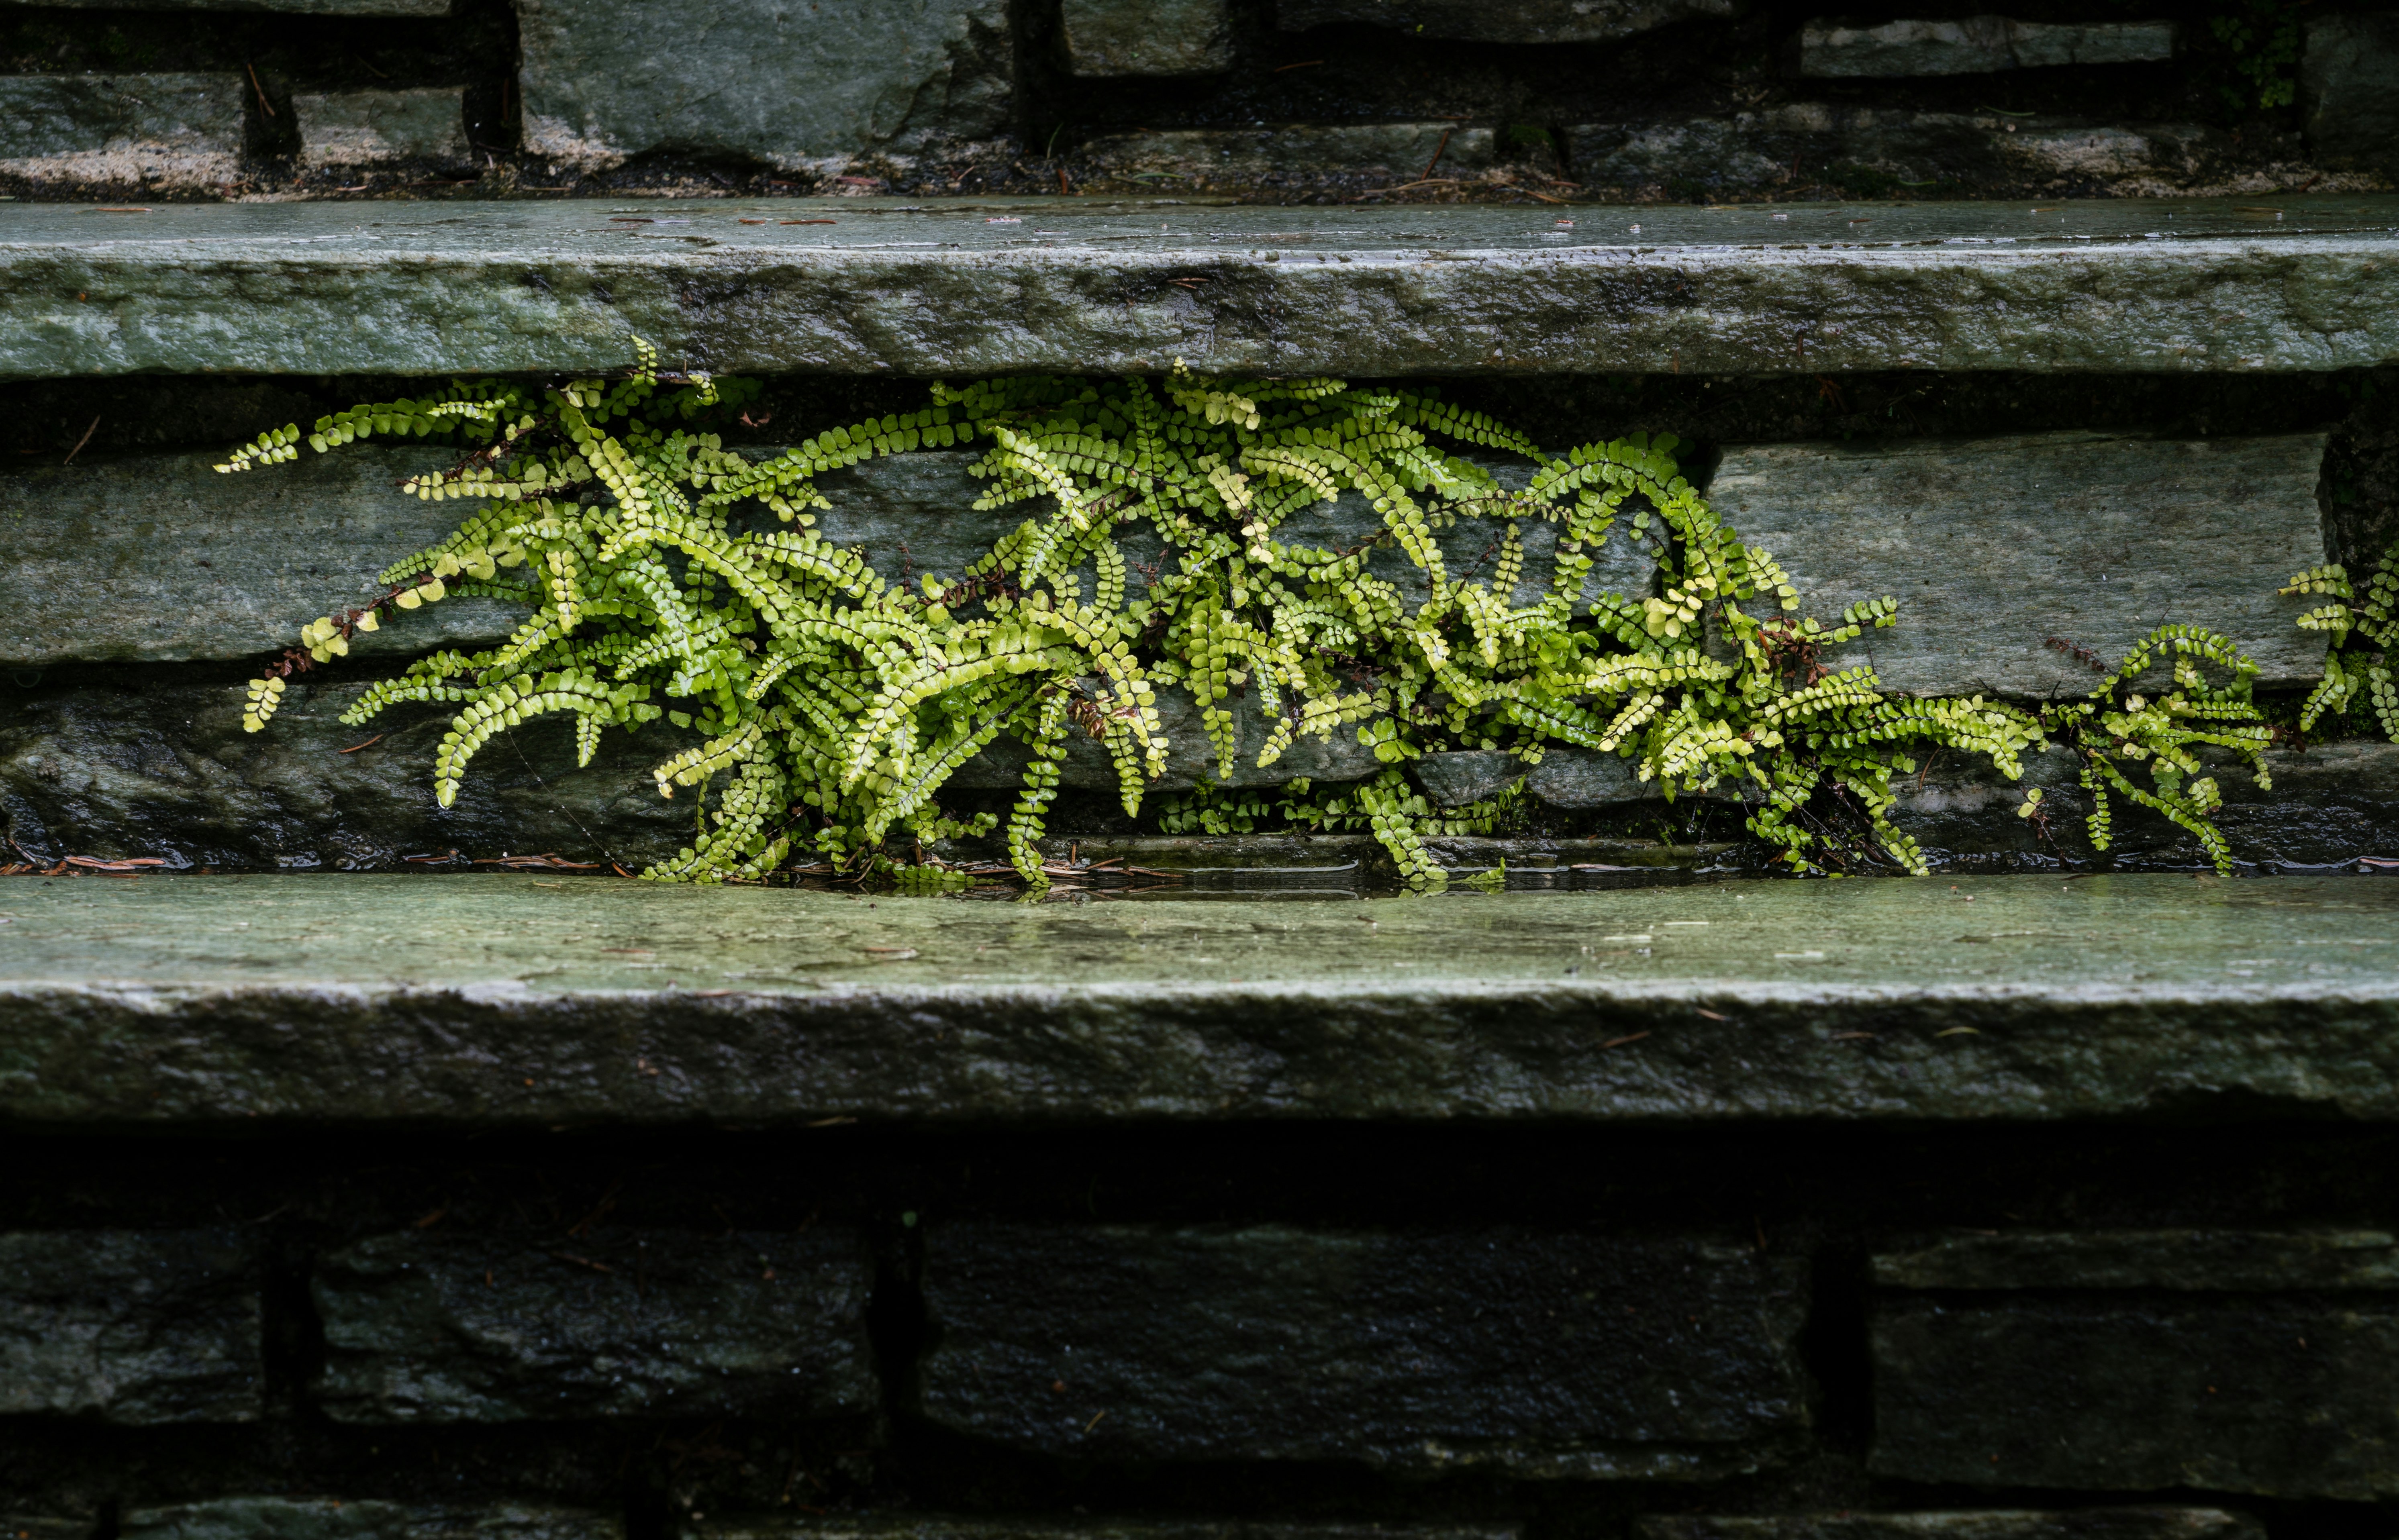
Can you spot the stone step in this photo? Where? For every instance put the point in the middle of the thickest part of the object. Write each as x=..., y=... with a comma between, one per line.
x=968, y=288
x=538, y=1002
x=1995, y=547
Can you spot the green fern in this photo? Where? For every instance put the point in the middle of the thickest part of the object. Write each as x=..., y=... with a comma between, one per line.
x=2364, y=630
x=662, y=574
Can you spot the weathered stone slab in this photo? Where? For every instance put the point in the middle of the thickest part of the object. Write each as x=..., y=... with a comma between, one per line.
x=2123, y=1379
x=1419, y=1351
x=774, y=1526
x=964, y=288
x=309, y=8
x=228, y=566
x=157, y=557
x=1975, y=45
x=1505, y=20
x=2110, y=1523
x=375, y=127
x=353, y=1518
x=1993, y=546
x=1802, y=143
x=432, y=1327
x=172, y=130
x=2211, y=1259
x=149, y=1327
x=2349, y=86
x=255, y=1003
x=820, y=82
x=1310, y=149
x=163, y=768
x=1164, y=37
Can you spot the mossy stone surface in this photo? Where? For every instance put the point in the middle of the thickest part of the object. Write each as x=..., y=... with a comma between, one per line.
x=263, y=1002
x=969, y=288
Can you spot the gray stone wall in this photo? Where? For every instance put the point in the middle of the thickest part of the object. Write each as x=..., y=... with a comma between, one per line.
x=1229, y=1332
x=1279, y=100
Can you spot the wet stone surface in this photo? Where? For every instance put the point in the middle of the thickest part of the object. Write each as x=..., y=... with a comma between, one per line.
x=1976, y=44
x=1149, y=37
x=966, y=288
x=1504, y=20
x=175, y=130
x=2349, y=81
x=1994, y=547
x=2250, y=1363
x=371, y=128
x=605, y=80
x=1504, y=1349
x=333, y=1519
x=2096, y=1523
x=433, y=1327
x=141, y=1328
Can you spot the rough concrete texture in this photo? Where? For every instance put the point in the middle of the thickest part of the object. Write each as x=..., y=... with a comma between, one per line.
x=2279, y=1394
x=428, y=1327
x=355, y=1519
x=801, y=87
x=970, y=289
x=536, y=1002
x=2107, y=1523
x=1505, y=20
x=155, y=558
x=1994, y=547
x=1306, y=149
x=1153, y=37
x=174, y=131
x=2214, y=1261
x=1975, y=45
x=1901, y=152
x=129, y=1327
x=1535, y=1354
x=2348, y=89
x=375, y=127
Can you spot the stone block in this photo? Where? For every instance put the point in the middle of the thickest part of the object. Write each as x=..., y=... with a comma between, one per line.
x=2109, y=1524
x=1505, y=20
x=1803, y=142
x=1976, y=44
x=432, y=1327
x=797, y=84
x=1406, y=150
x=377, y=127
x=129, y=1327
x=1994, y=546
x=772, y=1526
x=170, y=130
x=1537, y=1355
x=2348, y=89
x=1455, y=780
x=161, y=766
x=2141, y=1361
x=336, y=1518
x=228, y=566
x=1149, y=37
x=950, y=289
x=2211, y=1261
x=305, y=7
x=156, y=558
